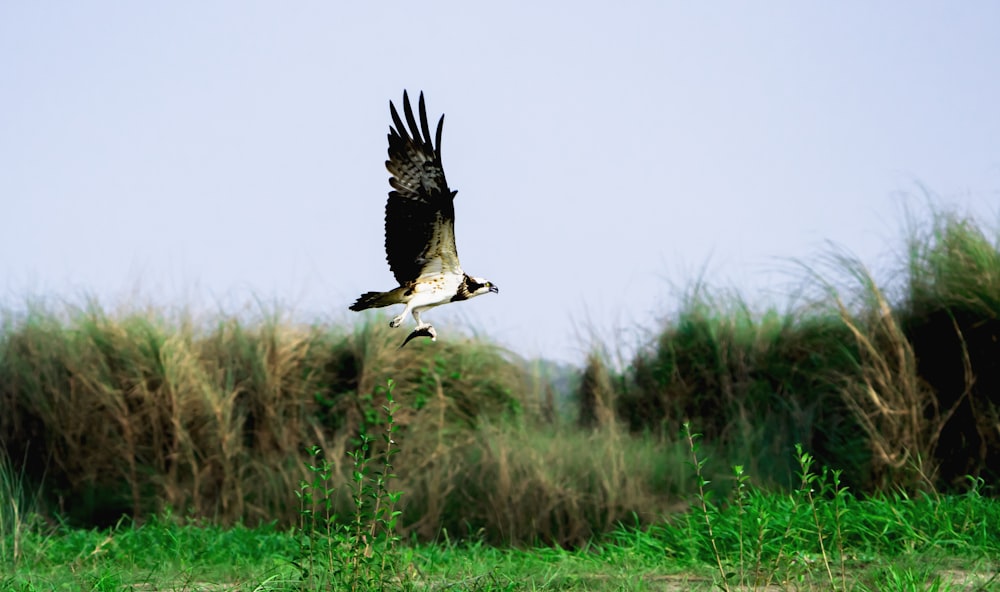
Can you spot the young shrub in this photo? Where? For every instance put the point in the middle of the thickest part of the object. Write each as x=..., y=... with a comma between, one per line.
x=357, y=551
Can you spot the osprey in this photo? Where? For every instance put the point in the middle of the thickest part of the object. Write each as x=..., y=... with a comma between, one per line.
x=420, y=227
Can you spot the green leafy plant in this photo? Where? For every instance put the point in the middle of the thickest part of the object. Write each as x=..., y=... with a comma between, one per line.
x=747, y=550
x=703, y=497
x=356, y=552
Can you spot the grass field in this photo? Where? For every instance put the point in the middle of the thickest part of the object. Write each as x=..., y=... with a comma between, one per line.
x=154, y=449
x=816, y=538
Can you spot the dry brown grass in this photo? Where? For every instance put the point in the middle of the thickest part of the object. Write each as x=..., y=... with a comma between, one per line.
x=895, y=407
x=596, y=394
x=142, y=414
x=521, y=482
x=135, y=413
x=153, y=413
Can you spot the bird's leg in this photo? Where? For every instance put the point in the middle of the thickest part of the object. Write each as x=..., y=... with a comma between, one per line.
x=423, y=328
x=398, y=320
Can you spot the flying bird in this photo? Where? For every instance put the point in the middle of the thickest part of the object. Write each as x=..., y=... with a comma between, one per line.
x=420, y=227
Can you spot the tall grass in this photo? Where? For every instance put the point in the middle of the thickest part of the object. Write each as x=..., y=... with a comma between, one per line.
x=140, y=411
x=895, y=408
x=130, y=415
x=595, y=399
x=514, y=483
x=135, y=413
x=950, y=312
x=17, y=510
x=898, y=391
x=752, y=384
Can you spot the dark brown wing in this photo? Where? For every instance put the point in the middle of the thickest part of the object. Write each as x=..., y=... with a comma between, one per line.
x=419, y=216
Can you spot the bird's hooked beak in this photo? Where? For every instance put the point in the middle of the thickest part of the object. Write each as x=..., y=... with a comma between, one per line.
x=494, y=289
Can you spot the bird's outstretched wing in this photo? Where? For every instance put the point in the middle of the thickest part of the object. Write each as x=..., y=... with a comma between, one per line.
x=419, y=216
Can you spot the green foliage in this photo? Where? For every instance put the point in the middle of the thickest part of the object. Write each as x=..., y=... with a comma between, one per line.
x=703, y=497
x=818, y=537
x=895, y=385
x=950, y=312
x=356, y=552
x=749, y=383
x=18, y=508
x=141, y=412
x=821, y=535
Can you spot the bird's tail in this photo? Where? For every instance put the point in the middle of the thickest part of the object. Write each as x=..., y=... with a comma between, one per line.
x=374, y=300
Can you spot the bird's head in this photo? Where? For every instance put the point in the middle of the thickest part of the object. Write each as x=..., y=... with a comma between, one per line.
x=478, y=286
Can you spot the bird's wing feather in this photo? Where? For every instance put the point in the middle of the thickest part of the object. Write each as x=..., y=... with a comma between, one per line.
x=419, y=215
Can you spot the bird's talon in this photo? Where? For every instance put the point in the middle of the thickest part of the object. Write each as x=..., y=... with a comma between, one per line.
x=421, y=331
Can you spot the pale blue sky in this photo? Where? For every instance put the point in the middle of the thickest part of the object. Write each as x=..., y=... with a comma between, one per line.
x=219, y=152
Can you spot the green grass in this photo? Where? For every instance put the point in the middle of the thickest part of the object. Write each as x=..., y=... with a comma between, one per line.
x=18, y=509
x=883, y=541
x=818, y=536
x=148, y=449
